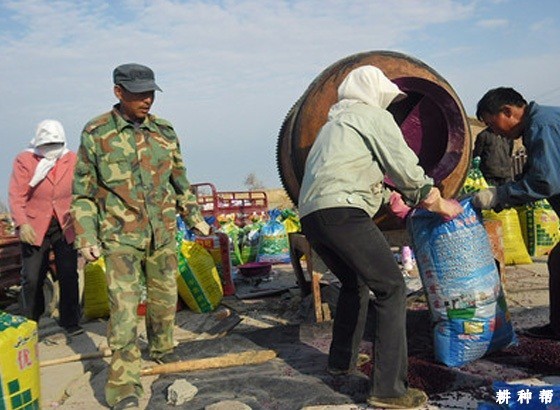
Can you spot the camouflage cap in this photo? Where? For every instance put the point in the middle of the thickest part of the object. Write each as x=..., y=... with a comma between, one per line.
x=135, y=78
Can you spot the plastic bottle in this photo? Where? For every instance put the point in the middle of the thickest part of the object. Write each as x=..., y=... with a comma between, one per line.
x=407, y=258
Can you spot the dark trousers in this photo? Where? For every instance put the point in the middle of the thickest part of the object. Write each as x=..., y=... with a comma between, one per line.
x=355, y=250
x=554, y=275
x=35, y=265
x=554, y=287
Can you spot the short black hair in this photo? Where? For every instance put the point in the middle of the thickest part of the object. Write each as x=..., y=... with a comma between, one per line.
x=493, y=101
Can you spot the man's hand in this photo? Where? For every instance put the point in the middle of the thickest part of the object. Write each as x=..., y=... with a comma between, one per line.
x=486, y=199
x=202, y=229
x=27, y=234
x=448, y=209
x=90, y=253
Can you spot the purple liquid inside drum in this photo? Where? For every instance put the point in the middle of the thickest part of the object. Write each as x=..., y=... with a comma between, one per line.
x=432, y=125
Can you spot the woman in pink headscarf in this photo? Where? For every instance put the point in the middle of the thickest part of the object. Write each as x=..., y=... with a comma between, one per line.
x=39, y=195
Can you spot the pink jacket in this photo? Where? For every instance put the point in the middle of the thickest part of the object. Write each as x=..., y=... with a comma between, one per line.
x=52, y=196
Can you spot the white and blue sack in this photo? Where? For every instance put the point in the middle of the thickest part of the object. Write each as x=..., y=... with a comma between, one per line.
x=462, y=285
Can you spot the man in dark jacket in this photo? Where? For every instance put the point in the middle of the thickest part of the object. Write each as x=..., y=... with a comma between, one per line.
x=507, y=113
x=495, y=156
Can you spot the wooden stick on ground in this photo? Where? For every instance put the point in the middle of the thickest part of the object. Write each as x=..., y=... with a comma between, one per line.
x=217, y=331
x=227, y=360
x=105, y=352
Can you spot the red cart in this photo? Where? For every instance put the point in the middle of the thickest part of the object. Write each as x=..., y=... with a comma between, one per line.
x=241, y=203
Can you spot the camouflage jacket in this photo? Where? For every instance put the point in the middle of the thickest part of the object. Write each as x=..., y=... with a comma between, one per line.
x=129, y=183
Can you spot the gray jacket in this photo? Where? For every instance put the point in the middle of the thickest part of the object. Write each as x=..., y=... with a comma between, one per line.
x=348, y=160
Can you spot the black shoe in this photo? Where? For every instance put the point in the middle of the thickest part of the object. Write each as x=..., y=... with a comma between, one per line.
x=126, y=403
x=170, y=357
x=541, y=332
x=74, y=330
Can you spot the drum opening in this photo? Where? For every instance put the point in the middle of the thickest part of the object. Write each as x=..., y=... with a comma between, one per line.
x=432, y=125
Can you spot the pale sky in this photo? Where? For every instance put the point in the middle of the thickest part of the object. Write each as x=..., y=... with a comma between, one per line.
x=231, y=70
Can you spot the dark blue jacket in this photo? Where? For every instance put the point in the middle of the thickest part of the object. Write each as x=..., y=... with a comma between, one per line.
x=541, y=175
x=495, y=156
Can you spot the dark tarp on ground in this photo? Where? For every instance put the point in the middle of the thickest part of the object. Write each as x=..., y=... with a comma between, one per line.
x=297, y=377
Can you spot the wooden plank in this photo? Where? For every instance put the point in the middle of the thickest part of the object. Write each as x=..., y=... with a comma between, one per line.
x=258, y=293
x=316, y=287
x=218, y=330
x=326, y=311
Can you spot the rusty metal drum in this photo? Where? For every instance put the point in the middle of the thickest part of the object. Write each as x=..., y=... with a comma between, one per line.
x=432, y=119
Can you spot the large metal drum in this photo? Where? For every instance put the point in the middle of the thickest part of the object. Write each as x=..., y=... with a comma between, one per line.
x=432, y=119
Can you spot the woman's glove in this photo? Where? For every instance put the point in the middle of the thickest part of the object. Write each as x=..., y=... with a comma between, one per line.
x=448, y=209
x=397, y=205
x=90, y=253
x=27, y=234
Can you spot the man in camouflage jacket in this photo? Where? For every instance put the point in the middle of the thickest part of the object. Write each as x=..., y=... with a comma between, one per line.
x=129, y=183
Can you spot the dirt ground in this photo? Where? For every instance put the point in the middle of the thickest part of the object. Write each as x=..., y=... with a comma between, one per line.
x=273, y=315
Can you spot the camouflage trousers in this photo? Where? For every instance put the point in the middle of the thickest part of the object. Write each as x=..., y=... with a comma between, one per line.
x=128, y=269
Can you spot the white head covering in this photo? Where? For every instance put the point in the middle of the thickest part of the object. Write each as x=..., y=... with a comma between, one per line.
x=366, y=84
x=50, y=144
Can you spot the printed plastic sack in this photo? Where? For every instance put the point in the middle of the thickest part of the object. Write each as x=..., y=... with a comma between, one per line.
x=475, y=180
x=291, y=221
x=20, y=386
x=182, y=229
x=96, y=294
x=198, y=281
x=274, y=246
x=539, y=227
x=235, y=235
x=217, y=245
x=515, y=253
x=250, y=241
x=462, y=285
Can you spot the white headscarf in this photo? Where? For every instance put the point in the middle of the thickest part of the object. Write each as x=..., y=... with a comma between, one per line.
x=48, y=132
x=366, y=84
